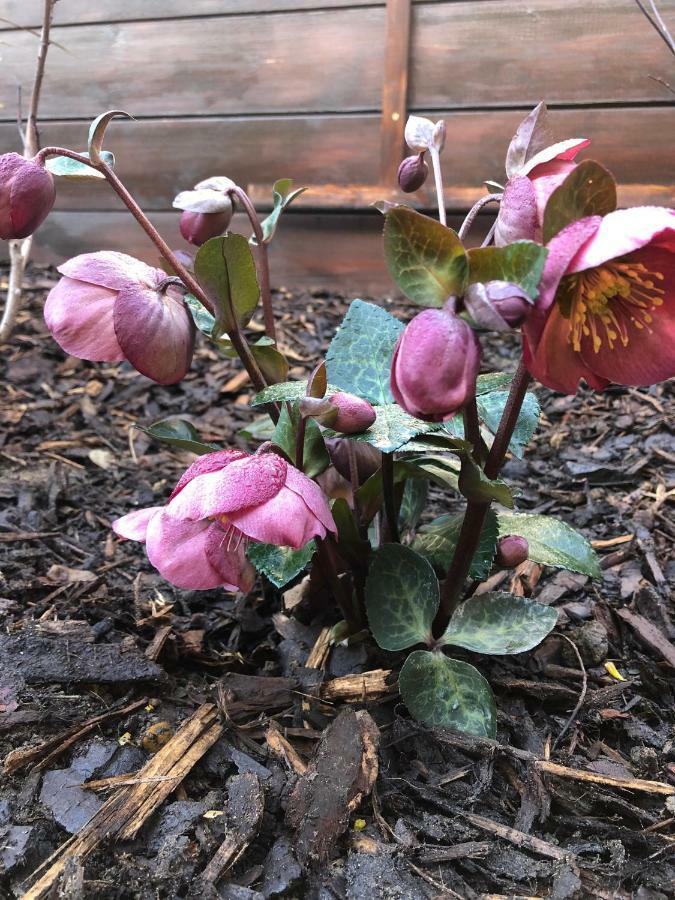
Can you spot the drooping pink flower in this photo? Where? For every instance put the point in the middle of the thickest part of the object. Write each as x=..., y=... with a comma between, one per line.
x=521, y=212
x=224, y=499
x=109, y=306
x=435, y=365
x=27, y=195
x=606, y=307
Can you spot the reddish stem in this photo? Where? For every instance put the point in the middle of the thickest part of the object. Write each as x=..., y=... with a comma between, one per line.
x=263, y=260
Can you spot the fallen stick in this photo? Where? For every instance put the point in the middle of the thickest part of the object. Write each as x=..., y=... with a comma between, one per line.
x=124, y=813
x=627, y=784
x=518, y=838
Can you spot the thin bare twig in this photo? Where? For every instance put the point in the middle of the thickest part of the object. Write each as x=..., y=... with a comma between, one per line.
x=582, y=695
x=655, y=19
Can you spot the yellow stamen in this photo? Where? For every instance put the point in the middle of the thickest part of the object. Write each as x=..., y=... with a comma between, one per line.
x=603, y=303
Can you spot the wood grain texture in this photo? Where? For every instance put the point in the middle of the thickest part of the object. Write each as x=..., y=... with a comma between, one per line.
x=464, y=55
x=156, y=159
x=395, y=87
x=297, y=61
x=522, y=51
x=28, y=13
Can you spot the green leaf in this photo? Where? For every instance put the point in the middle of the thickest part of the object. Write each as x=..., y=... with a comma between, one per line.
x=436, y=442
x=449, y=693
x=201, y=316
x=490, y=409
x=64, y=167
x=178, y=433
x=402, y=597
x=260, y=429
x=552, y=542
x=97, y=131
x=282, y=197
x=272, y=362
x=499, y=623
x=589, y=190
x=392, y=428
x=476, y=486
x=413, y=501
x=437, y=541
x=425, y=259
x=519, y=263
x=315, y=455
x=287, y=390
x=359, y=356
x=442, y=470
x=492, y=381
x=225, y=268
x=280, y=564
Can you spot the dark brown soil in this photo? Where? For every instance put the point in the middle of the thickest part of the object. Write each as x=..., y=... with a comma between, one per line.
x=449, y=816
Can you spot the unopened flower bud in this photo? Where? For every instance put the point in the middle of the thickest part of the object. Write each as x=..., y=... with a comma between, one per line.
x=27, y=195
x=368, y=458
x=435, y=365
x=197, y=227
x=412, y=173
x=354, y=414
x=497, y=305
x=512, y=550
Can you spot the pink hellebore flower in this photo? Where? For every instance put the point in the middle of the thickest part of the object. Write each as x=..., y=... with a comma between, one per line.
x=521, y=212
x=27, y=195
x=224, y=499
x=606, y=307
x=435, y=365
x=109, y=306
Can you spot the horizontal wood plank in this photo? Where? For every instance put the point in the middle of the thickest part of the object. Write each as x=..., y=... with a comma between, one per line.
x=329, y=60
x=28, y=13
x=522, y=51
x=309, y=251
x=156, y=159
x=463, y=55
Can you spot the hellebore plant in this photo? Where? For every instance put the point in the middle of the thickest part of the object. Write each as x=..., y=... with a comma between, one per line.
x=339, y=481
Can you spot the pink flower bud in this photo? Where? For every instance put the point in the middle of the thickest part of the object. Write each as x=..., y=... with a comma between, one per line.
x=435, y=365
x=497, y=305
x=197, y=227
x=512, y=550
x=26, y=196
x=354, y=414
x=412, y=173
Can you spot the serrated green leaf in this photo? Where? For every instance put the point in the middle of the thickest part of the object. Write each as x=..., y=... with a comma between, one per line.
x=476, y=486
x=392, y=428
x=178, y=433
x=402, y=597
x=492, y=381
x=589, y=190
x=519, y=263
x=436, y=442
x=448, y=693
x=490, y=410
x=425, y=259
x=552, y=542
x=282, y=197
x=64, y=167
x=499, y=623
x=287, y=390
x=437, y=541
x=225, y=268
x=315, y=455
x=280, y=564
x=359, y=356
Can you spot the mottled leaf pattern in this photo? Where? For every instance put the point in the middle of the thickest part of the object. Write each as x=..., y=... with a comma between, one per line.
x=392, y=428
x=280, y=564
x=552, y=542
x=490, y=409
x=287, y=390
x=402, y=597
x=437, y=541
x=499, y=623
x=425, y=259
x=440, y=691
x=359, y=356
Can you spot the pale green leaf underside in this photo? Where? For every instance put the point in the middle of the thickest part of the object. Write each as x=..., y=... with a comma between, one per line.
x=280, y=564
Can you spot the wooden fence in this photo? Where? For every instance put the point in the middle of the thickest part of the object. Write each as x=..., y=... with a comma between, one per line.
x=319, y=90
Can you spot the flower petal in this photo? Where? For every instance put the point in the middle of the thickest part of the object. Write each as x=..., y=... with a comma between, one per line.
x=284, y=520
x=649, y=355
x=210, y=462
x=313, y=496
x=155, y=331
x=564, y=150
x=80, y=318
x=134, y=525
x=188, y=554
x=624, y=231
x=204, y=200
x=242, y=484
x=517, y=217
x=111, y=270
